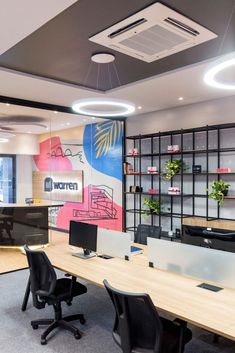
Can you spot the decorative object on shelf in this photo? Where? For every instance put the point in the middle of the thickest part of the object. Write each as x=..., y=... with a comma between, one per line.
x=127, y=168
x=219, y=189
x=170, y=233
x=223, y=170
x=136, y=188
x=196, y=169
x=173, y=148
x=153, y=191
x=172, y=168
x=173, y=190
x=133, y=152
x=153, y=205
x=152, y=170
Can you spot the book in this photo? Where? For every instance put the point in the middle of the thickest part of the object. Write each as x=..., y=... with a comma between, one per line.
x=135, y=250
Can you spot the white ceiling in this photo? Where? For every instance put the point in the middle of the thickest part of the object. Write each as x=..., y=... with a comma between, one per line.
x=152, y=94
x=20, y=18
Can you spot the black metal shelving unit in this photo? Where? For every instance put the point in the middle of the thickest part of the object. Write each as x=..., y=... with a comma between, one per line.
x=156, y=153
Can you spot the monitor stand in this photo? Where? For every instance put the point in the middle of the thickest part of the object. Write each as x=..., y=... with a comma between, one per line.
x=86, y=254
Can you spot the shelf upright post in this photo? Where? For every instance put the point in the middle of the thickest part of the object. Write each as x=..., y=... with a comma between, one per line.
x=207, y=172
x=151, y=141
x=182, y=174
x=140, y=194
x=218, y=163
x=193, y=148
x=159, y=179
x=171, y=186
x=134, y=194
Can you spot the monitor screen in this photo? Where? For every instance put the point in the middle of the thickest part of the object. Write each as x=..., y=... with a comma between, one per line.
x=83, y=235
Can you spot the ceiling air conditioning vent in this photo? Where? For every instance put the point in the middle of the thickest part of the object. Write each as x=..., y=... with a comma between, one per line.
x=153, y=33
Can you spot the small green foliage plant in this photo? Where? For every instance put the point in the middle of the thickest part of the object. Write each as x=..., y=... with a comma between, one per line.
x=219, y=189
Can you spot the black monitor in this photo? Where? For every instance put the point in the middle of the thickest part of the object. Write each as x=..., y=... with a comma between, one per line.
x=219, y=239
x=83, y=235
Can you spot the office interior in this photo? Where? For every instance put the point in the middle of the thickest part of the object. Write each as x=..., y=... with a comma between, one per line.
x=117, y=189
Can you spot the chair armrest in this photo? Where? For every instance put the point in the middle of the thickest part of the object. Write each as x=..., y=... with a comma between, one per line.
x=42, y=293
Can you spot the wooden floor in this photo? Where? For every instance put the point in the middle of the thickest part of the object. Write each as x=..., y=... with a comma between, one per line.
x=14, y=259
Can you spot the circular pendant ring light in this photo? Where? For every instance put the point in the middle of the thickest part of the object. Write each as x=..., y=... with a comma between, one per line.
x=103, y=108
x=210, y=76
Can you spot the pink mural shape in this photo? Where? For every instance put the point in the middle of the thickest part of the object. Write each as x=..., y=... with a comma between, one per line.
x=98, y=207
x=51, y=157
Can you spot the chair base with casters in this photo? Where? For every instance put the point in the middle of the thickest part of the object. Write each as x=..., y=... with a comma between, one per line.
x=46, y=289
x=58, y=321
x=60, y=294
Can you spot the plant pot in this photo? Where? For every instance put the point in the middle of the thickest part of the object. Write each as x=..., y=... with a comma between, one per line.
x=225, y=192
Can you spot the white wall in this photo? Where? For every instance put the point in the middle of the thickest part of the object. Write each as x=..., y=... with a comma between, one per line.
x=212, y=112
x=24, y=165
x=25, y=144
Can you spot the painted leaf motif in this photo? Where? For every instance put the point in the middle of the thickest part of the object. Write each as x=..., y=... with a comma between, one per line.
x=108, y=133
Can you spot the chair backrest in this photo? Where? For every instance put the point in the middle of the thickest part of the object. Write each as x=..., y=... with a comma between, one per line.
x=137, y=322
x=42, y=274
x=146, y=230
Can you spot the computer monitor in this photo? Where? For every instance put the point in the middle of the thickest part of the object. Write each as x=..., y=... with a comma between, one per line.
x=83, y=235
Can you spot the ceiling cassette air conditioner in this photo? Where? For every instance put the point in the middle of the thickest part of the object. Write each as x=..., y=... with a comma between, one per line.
x=153, y=33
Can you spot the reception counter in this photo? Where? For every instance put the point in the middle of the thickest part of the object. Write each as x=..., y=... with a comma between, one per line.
x=24, y=224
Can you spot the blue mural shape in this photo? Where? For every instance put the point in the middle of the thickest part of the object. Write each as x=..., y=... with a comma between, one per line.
x=102, y=144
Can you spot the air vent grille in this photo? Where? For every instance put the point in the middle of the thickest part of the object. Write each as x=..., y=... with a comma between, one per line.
x=153, y=33
x=154, y=40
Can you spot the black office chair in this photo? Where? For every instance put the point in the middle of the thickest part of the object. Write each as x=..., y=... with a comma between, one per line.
x=139, y=329
x=146, y=230
x=47, y=289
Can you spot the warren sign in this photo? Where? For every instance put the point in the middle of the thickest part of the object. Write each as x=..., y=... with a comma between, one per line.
x=58, y=186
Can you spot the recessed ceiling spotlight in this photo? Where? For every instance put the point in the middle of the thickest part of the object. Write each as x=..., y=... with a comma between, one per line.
x=67, y=123
x=181, y=98
x=103, y=107
x=8, y=104
x=225, y=62
x=102, y=58
x=93, y=118
x=139, y=107
x=55, y=112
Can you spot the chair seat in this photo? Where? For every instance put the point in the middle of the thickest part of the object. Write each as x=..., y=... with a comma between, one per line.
x=62, y=290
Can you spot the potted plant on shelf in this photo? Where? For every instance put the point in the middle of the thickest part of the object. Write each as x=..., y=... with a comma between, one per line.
x=219, y=189
x=172, y=168
x=153, y=205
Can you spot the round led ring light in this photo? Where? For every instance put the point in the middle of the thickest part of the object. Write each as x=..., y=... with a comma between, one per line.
x=210, y=76
x=111, y=108
x=3, y=140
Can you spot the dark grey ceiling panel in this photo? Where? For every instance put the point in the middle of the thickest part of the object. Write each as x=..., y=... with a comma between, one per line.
x=61, y=50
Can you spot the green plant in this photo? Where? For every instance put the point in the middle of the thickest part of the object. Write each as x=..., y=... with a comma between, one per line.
x=219, y=189
x=172, y=168
x=153, y=205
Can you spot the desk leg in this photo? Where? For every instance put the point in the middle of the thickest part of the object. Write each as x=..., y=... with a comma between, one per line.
x=183, y=327
x=26, y=296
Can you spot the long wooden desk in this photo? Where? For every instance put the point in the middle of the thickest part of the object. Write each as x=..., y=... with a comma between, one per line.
x=171, y=293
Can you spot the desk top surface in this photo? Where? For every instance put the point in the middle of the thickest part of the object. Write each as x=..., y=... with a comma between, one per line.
x=171, y=293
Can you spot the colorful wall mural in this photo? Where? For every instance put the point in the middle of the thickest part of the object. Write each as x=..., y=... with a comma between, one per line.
x=96, y=149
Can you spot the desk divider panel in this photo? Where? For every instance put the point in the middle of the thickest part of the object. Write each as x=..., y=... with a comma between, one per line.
x=189, y=260
x=113, y=243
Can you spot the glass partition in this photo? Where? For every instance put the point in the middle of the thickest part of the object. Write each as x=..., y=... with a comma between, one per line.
x=72, y=164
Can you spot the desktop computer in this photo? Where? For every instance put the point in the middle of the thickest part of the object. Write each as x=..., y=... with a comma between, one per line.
x=83, y=235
